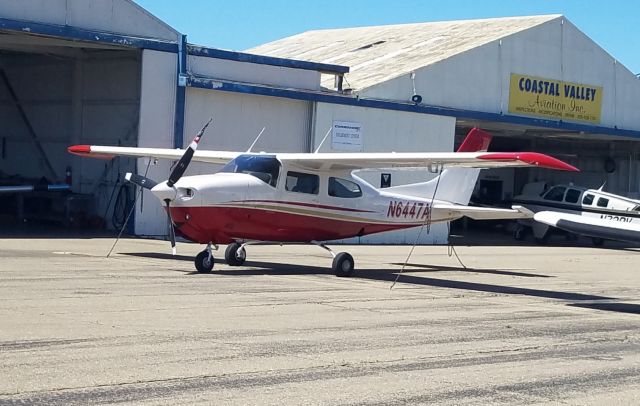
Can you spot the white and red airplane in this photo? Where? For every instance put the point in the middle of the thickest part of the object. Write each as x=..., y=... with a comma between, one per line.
x=314, y=197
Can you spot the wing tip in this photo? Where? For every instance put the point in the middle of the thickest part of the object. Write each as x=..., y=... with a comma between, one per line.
x=79, y=149
x=533, y=159
x=85, y=150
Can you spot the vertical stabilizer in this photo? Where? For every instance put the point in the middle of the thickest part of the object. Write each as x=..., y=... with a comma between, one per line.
x=456, y=185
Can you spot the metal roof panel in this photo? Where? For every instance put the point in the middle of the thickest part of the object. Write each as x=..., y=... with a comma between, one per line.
x=380, y=53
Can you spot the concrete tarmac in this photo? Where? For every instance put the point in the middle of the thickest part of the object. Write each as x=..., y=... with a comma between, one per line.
x=519, y=325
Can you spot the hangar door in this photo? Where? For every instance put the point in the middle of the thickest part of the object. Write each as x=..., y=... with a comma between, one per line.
x=54, y=93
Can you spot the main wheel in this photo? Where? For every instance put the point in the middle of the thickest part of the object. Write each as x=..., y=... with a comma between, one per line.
x=203, y=263
x=234, y=255
x=519, y=233
x=343, y=264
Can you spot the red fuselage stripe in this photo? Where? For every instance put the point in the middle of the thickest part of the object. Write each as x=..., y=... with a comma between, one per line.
x=314, y=205
x=225, y=224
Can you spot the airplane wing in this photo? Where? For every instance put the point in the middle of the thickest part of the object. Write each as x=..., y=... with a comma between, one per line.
x=422, y=160
x=484, y=213
x=347, y=161
x=104, y=152
x=591, y=226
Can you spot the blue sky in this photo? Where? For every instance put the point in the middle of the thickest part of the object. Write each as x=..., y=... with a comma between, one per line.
x=242, y=24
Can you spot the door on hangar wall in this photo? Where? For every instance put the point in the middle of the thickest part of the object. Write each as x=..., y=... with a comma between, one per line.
x=55, y=93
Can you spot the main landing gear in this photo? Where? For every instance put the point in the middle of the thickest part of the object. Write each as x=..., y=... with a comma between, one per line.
x=343, y=263
x=235, y=255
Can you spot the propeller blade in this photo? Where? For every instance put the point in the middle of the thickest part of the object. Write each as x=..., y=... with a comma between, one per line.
x=184, y=161
x=172, y=231
x=140, y=180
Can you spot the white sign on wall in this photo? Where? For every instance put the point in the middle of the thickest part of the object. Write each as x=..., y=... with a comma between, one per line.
x=346, y=136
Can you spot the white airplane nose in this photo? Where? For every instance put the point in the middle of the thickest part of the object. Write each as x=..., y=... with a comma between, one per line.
x=164, y=192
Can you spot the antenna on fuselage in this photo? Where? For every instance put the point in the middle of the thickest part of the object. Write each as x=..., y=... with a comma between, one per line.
x=323, y=140
x=256, y=140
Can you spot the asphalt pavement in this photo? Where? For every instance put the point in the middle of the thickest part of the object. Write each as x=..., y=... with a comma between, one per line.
x=502, y=325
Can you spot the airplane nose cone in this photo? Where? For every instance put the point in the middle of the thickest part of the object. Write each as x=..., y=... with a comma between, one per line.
x=164, y=192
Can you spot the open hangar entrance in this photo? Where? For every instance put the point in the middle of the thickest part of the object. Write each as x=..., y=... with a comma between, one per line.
x=56, y=92
x=607, y=160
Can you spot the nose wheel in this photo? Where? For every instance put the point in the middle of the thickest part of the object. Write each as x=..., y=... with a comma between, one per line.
x=204, y=260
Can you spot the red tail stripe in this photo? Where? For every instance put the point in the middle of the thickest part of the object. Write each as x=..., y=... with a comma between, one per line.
x=476, y=140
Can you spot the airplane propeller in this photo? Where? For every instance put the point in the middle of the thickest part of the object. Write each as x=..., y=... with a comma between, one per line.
x=175, y=175
x=172, y=231
x=184, y=161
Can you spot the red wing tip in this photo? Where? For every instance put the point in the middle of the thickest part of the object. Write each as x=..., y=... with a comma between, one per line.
x=532, y=158
x=84, y=150
x=79, y=149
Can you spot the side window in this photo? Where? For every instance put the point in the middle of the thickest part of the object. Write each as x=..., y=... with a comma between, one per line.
x=556, y=194
x=302, y=183
x=588, y=199
x=343, y=188
x=572, y=196
x=603, y=202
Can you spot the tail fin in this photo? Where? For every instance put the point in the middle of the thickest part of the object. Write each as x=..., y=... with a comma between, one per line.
x=476, y=140
x=455, y=185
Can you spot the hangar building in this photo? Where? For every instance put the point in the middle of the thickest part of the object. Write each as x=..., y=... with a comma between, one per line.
x=108, y=72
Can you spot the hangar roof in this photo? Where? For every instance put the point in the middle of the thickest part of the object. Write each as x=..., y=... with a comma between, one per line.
x=123, y=17
x=377, y=54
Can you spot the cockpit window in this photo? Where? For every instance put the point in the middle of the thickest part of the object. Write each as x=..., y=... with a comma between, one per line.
x=572, y=196
x=264, y=167
x=555, y=193
x=343, y=188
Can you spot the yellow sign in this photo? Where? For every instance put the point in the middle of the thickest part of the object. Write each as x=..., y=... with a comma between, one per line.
x=533, y=96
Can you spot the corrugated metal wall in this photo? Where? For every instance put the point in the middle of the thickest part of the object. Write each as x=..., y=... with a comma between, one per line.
x=239, y=118
x=157, y=113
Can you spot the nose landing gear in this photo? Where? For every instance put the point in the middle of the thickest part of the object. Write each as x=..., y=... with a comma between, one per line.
x=204, y=260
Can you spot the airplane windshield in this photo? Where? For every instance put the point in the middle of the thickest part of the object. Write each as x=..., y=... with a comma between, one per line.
x=264, y=167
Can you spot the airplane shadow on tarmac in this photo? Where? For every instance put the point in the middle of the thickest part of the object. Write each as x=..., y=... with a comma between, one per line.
x=389, y=275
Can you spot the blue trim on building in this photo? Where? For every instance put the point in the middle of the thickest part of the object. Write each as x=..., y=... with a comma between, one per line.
x=196, y=50
x=81, y=34
x=213, y=84
x=181, y=95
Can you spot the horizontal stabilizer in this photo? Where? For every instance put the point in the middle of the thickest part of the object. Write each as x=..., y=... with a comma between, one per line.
x=484, y=213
